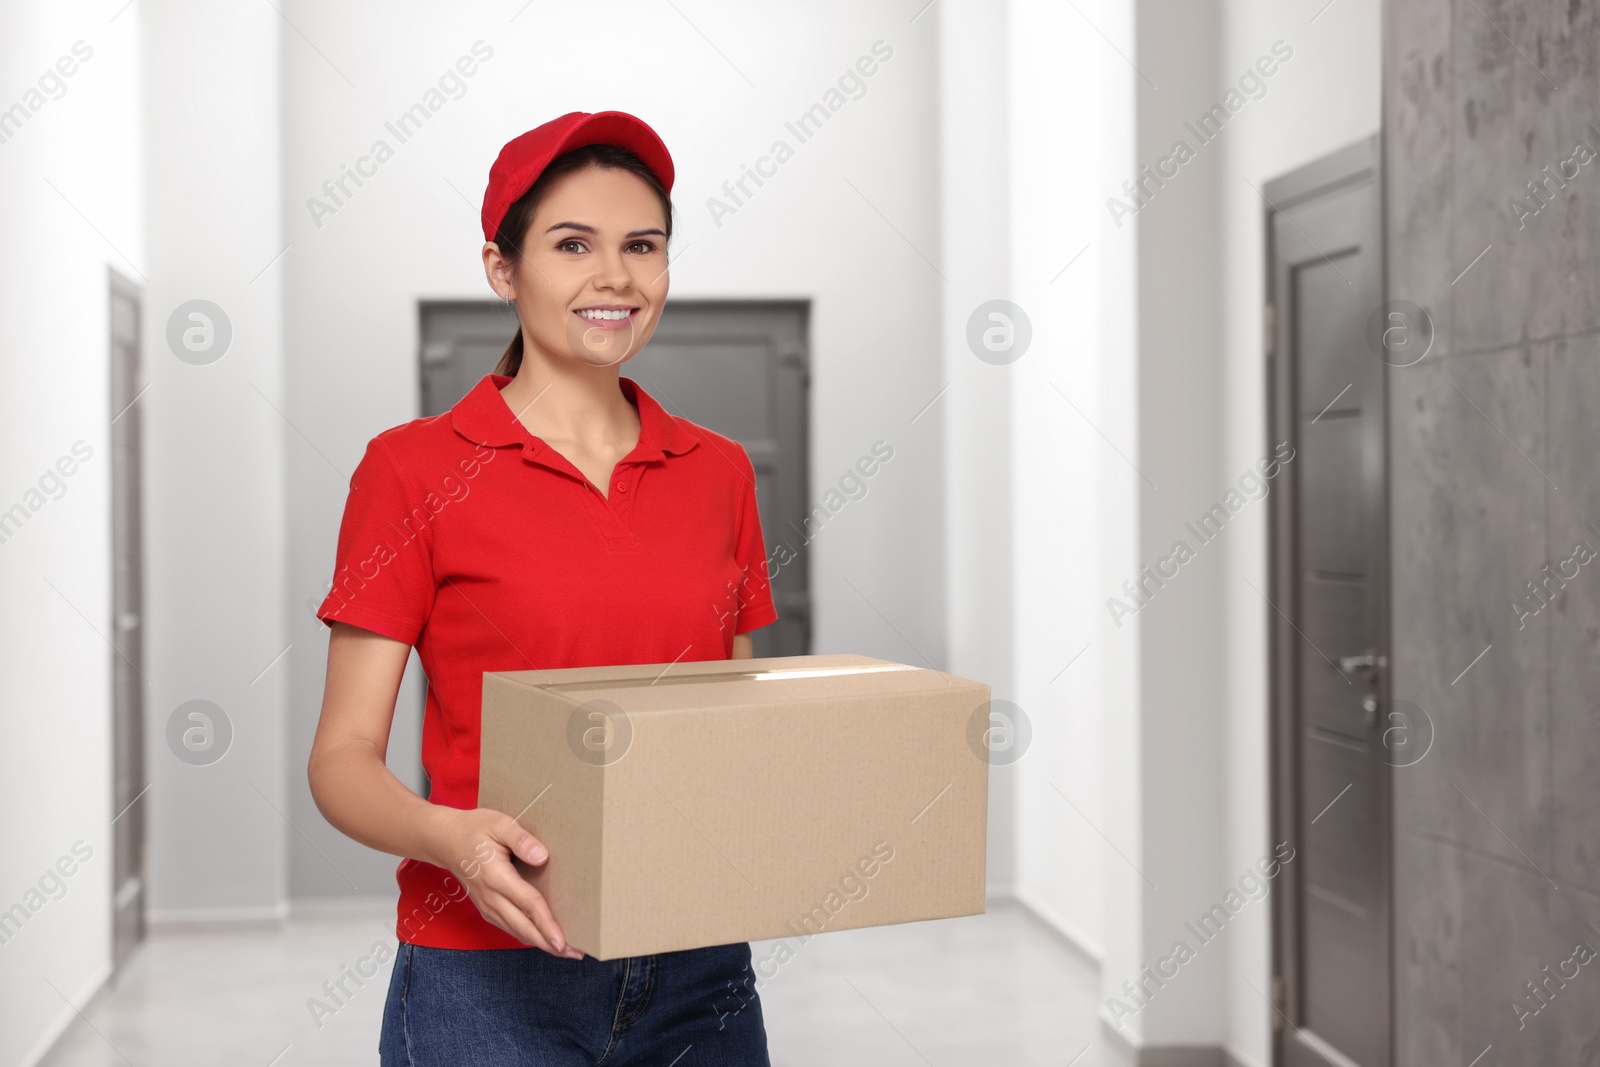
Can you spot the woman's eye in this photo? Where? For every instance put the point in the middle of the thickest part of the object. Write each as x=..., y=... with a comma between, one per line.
x=643, y=247
x=576, y=244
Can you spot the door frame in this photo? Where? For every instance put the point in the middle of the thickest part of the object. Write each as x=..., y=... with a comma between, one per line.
x=1355, y=163
x=126, y=382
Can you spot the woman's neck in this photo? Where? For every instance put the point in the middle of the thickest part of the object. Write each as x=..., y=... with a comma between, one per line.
x=566, y=401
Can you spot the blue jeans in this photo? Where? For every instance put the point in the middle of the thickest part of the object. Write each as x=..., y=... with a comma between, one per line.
x=523, y=1006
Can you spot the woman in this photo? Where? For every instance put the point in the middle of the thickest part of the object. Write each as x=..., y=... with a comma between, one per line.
x=558, y=516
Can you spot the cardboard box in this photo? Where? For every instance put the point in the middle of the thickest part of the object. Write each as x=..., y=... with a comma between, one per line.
x=705, y=803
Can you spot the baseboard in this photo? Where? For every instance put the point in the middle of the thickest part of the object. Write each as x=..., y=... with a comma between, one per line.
x=333, y=907
x=245, y=915
x=266, y=914
x=1080, y=943
x=94, y=988
x=1089, y=952
x=1162, y=1055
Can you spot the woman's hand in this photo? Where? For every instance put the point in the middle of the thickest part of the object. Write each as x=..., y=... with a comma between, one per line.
x=357, y=793
x=477, y=845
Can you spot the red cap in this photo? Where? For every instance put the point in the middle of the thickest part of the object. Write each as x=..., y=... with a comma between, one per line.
x=525, y=156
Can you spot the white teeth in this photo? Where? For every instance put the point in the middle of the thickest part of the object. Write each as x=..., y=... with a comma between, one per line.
x=592, y=313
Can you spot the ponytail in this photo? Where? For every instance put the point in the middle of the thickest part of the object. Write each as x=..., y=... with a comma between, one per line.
x=511, y=359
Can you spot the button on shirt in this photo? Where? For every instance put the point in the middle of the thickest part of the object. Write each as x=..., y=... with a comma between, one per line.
x=470, y=538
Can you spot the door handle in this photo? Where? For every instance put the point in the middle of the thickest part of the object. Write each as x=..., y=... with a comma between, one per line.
x=1365, y=667
x=1368, y=662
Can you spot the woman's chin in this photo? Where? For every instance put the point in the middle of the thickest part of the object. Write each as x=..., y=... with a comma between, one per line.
x=602, y=347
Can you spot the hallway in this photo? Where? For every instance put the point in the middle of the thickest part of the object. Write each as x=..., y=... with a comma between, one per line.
x=971, y=992
x=1211, y=386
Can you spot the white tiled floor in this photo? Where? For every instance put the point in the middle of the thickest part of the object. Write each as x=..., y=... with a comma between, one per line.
x=999, y=988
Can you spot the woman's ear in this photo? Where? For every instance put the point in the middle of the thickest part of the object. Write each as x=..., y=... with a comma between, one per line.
x=498, y=272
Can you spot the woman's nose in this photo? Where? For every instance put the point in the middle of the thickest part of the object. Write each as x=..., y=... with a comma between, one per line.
x=612, y=271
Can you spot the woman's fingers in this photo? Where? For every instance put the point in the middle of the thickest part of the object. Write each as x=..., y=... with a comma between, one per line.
x=505, y=898
x=531, y=902
x=511, y=883
x=525, y=846
x=515, y=921
x=505, y=914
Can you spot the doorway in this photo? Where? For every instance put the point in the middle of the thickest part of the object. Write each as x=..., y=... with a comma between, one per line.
x=1329, y=634
x=740, y=367
x=127, y=617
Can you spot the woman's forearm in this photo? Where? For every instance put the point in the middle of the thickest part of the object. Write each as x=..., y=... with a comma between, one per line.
x=357, y=793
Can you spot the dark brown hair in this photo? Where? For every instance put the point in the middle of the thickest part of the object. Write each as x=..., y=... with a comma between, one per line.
x=519, y=216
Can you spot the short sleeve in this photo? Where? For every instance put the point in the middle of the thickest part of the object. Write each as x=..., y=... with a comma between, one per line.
x=750, y=551
x=383, y=567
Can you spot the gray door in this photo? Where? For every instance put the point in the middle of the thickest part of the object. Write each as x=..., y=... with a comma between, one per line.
x=740, y=367
x=127, y=624
x=1329, y=640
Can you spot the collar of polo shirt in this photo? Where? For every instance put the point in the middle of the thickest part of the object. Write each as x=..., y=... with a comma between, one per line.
x=483, y=416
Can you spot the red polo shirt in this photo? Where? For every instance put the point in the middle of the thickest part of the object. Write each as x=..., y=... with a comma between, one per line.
x=470, y=538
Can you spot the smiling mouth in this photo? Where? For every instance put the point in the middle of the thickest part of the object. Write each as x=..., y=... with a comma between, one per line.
x=606, y=318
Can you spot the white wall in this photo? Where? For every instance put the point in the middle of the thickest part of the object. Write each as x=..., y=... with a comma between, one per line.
x=70, y=207
x=1115, y=430
x=976, y=405
x=1057, y=146
x=1162, y=772
x=1325, y=97
x=847, y=222
x=214, y=483
x=1119, y=418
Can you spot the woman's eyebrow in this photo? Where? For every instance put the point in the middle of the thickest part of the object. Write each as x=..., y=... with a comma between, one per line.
x=585, y=228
